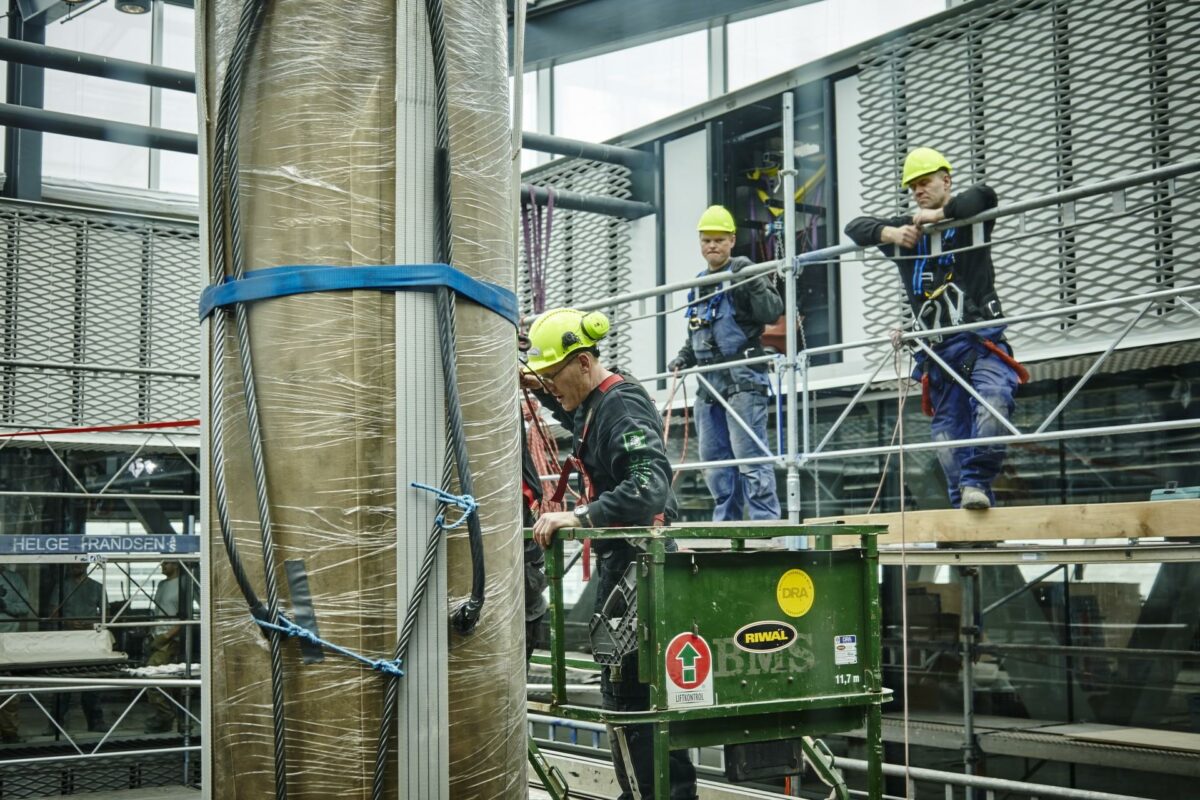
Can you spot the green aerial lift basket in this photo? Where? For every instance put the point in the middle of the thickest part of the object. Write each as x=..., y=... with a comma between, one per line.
x=743, y=646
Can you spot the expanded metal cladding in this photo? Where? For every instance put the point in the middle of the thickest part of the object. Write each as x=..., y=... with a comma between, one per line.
x=83, y=776
x=589, y=253
x=99, y=318
x=1037, y=96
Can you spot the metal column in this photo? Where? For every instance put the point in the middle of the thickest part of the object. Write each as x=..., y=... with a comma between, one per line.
x=789, y=253
x=26, y=87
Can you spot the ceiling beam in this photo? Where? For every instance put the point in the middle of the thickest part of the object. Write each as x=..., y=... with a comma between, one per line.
x=568, y=31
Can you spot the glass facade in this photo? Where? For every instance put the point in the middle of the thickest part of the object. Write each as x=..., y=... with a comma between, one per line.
x=769, y=44
x=600, y=97
x=178, y=172
x=107, y=32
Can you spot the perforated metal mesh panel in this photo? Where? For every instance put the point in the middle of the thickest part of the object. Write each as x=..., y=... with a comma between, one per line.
x=1036, y=96
x=589, y=253
x=82, y=777
x=99, y=318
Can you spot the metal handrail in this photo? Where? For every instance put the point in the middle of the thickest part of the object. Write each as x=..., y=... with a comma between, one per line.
x=836, y=251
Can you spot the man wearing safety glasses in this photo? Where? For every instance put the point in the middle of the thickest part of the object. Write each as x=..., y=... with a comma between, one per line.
x=622, y=462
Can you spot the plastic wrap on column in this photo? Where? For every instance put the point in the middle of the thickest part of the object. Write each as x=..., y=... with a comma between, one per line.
x=318, y=155
x=486, y=669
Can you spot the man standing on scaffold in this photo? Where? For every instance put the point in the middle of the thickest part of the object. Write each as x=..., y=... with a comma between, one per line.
x=944, y=290
x=725, y=324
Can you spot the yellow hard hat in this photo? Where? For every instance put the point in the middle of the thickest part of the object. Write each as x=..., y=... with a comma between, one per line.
x=922, y=161
x=560, y=332
x=716, y=218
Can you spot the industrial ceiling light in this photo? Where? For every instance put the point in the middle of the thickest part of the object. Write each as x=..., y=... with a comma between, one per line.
x=134, y=6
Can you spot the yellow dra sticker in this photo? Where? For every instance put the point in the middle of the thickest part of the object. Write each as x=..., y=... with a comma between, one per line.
x=795, y=593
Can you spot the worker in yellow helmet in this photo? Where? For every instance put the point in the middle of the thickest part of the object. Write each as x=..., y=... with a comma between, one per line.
x=725, y=324
x=621, y=458
x=956, y=286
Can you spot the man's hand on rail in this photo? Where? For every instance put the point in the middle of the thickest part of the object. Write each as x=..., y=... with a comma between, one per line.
x=547, y=524
x=906, y=236
x=928, y=216
x=894, y=334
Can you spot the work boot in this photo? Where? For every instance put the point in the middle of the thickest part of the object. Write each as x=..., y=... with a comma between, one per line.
x=975, y=499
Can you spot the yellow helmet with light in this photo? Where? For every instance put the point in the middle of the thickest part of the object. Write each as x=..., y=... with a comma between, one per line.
x=559, y=332
x=716, y=219
x=920, y=162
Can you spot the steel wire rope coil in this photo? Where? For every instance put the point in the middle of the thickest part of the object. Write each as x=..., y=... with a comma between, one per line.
x=226, y=205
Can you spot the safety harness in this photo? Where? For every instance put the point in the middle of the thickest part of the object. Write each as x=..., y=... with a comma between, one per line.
x=574, y=462
x=700, y=315
x=999, y=349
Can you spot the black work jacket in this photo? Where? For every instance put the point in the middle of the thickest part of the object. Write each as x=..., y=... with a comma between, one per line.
x=922, y=273
x=624, y=455
x=756, y=304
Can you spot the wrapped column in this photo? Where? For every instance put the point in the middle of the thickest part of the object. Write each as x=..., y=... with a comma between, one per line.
x=338, y=167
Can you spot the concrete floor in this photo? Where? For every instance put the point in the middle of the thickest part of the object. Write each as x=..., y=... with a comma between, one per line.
x=156, y=793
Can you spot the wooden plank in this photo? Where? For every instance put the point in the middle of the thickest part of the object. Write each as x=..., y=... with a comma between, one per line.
x=1168, y=518
x=1141, y=737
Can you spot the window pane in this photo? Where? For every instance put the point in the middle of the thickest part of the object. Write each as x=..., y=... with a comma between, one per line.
x=179, y=172
x=598, y=98
x=107, y=32
x=529, y=115
x=774, y=43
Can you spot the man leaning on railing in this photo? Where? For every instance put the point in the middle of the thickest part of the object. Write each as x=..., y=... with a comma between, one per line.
x=946, y=289
x=725, y=324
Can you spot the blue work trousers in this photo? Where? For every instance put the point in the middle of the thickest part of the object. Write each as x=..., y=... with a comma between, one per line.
x=957, y=415
x=749, y=487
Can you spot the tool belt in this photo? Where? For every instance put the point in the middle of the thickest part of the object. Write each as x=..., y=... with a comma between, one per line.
x=1000, y=348
x=736, y=388
x=750, y=351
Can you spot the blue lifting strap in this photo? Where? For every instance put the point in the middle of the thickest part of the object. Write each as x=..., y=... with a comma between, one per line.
x=261, y=284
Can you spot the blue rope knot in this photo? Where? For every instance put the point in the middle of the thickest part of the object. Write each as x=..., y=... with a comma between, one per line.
x=464, y=501
x=388, y=667
x=290, y=629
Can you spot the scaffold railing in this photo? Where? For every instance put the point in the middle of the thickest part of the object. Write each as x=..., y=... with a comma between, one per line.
x=795, y=364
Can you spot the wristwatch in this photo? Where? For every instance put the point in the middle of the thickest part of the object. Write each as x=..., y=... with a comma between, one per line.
x=581, y=513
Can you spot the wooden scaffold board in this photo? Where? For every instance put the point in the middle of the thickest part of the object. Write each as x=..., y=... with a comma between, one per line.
x=1171, y=519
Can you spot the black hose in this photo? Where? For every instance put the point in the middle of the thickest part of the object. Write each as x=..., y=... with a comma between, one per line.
x=466, y=616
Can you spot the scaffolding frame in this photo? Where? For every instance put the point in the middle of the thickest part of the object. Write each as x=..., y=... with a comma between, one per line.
x=795, y=364
x=795, y=367
x=14, y=687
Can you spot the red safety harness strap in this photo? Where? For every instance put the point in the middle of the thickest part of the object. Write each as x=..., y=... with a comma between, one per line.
x=993, y=348
x=531, y=501
x=1002, y=354
x=574, y=462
